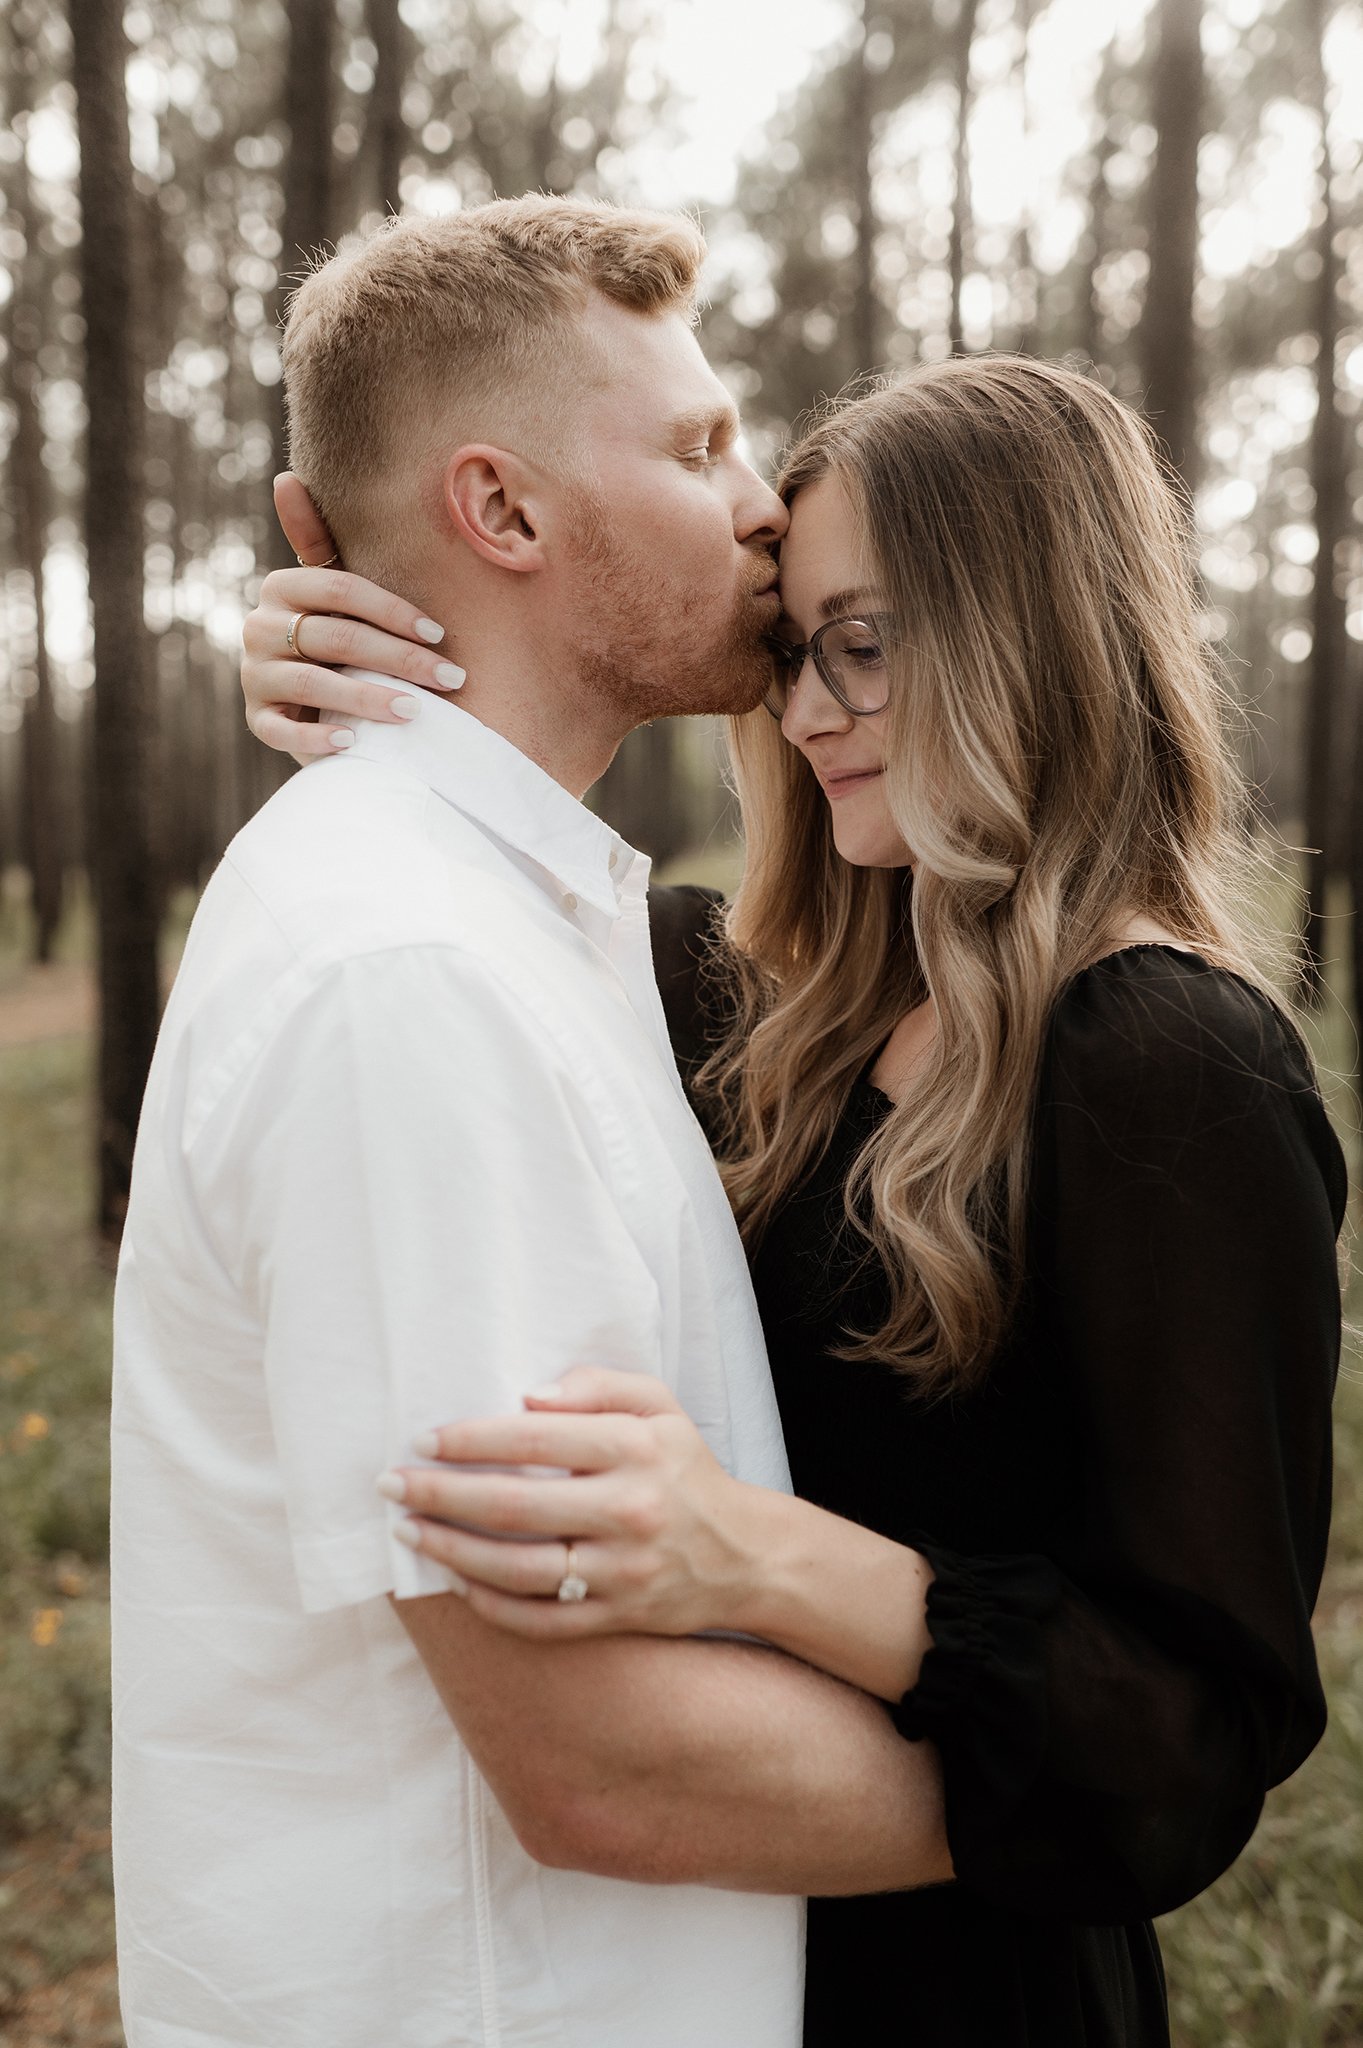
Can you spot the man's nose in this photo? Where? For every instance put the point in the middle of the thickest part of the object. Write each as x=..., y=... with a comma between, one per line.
x=759, y=514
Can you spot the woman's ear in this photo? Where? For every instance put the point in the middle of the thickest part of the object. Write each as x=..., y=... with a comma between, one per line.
x=493, y=500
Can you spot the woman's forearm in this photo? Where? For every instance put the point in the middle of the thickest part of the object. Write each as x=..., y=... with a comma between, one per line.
x=833, y=1593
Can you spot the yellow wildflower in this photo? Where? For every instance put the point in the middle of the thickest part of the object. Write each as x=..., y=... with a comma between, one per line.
x=34, y=1427
x=46, y=1622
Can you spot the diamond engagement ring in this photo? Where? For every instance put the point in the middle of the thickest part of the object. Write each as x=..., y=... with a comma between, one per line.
x=572, y=1586
x=294, y=623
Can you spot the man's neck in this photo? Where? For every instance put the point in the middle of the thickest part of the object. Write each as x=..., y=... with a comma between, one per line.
x=513, y=689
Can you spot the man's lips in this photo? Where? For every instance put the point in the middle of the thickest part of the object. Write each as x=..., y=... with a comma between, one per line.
x=844, y=781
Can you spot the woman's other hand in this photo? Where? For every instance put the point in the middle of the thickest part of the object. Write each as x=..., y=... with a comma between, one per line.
x=656, y=1525
x=345, y=621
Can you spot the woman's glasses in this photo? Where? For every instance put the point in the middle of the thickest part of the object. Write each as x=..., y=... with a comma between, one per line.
x=850, y=657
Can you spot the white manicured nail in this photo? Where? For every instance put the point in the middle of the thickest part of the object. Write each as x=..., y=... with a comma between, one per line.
x=404, y=707
x=451, y=675
x=392, y=1485
x=427, y=1445
x=430, y=629
x=457, y=1585
x=408, y=1533
x=553, y=1392
x=342, y=737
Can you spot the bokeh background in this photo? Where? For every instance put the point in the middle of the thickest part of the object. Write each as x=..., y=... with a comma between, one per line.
x=1166, y=193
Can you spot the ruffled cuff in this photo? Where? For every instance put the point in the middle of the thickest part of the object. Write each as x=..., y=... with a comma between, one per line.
x=981, y=1694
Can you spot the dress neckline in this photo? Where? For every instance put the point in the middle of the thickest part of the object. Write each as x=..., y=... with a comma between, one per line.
x=866, y=1086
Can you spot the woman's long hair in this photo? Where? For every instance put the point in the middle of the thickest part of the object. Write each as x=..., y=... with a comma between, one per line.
x=1057, y=759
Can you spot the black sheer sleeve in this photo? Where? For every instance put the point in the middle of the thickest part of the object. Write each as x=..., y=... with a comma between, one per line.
x=681, y=921
x=1110, y=1714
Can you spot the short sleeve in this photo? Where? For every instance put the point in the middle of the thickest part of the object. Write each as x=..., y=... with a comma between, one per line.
x=427, y=1226
x=1112, y=1710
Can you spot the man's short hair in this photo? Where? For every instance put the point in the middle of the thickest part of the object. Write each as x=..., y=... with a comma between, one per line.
x=458, y=323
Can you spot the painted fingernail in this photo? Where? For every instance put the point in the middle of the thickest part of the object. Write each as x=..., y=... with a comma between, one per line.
x=458, y=1585
x=341, y=738
x=430, y=629
x=403, y=707
x=427, y=1445
x=392, y=1485
x=450, y=676
x=408, y=1533
x=553, y=1392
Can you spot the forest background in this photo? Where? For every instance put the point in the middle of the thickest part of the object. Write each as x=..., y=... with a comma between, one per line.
x=1166, y=193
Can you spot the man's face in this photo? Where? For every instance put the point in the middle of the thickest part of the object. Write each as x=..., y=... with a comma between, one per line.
x=671, y=574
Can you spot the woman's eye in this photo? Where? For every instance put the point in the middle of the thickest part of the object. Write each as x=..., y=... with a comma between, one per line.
x=865, y=654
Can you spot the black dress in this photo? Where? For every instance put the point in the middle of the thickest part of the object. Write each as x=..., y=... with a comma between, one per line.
x=1127, y=1523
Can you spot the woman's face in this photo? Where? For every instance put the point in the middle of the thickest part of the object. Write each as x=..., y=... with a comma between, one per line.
x=823, y=576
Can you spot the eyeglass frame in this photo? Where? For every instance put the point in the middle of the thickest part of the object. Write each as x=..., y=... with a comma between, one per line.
x=790, y=649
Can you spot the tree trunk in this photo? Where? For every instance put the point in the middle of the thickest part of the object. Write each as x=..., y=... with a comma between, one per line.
x=1026, y=282
x=122, y=866
x=1330, y=441
x=1167, y=340
x=1355, y=877
x=309, y=96
x=41, y=794
x=388, y=35
x=865, y=307
x=963, y=42
x=43, y=806
x=309, y=102
x=1090, y=310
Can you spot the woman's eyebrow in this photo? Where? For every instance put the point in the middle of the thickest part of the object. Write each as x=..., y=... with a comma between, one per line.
x=844, y=601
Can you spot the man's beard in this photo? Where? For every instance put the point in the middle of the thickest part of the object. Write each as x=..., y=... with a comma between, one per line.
x=655, y=650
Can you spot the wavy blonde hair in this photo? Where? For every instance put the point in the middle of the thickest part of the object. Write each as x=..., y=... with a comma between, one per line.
x=1058, y=760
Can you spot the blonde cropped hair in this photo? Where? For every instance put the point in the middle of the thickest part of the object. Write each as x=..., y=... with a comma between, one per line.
x=462, y=324
x=1057, y=757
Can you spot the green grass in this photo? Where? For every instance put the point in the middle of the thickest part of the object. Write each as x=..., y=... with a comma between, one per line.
x=1271, y=1957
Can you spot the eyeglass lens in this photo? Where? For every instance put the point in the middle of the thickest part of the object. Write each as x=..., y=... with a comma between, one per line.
x=849, y=655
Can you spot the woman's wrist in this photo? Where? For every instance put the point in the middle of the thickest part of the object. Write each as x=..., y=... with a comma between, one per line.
x=831, y=1592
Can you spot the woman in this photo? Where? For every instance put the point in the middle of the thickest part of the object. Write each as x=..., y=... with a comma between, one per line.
x=1041, y=1203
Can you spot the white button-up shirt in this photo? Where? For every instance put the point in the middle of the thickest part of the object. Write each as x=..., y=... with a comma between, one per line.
x=413, y=1143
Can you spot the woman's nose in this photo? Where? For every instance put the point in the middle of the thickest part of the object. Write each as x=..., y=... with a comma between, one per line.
x=811, y=707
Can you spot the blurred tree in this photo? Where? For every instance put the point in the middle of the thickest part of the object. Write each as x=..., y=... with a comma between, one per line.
x=42, y=838
x=126, y=895
x=1168, y=339
x=962, y=49
x=389, y=35
x=1326, y=739
x=308, y=103
x=1026, y=282
x=866, y=308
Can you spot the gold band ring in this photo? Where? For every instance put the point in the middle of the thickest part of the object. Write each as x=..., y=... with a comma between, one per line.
x=289, y=640
x=316, y=565
x=572, y=1586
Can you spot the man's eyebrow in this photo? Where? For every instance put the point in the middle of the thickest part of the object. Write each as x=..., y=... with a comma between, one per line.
x=704, y=420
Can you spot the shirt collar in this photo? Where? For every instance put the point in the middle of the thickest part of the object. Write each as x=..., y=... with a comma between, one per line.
x=483, y=775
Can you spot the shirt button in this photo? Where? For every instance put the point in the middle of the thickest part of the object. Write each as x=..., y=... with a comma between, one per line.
x=570, y=902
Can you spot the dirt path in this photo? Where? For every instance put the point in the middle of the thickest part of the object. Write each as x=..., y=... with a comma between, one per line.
x=37, y=1003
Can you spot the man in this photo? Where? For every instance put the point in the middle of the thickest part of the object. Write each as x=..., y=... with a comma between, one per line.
x=413, y=1144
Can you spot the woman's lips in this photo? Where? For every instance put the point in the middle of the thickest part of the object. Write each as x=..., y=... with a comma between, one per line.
x=835, y=786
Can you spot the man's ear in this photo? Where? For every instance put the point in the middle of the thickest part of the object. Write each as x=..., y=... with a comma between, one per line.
x=495, y=502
